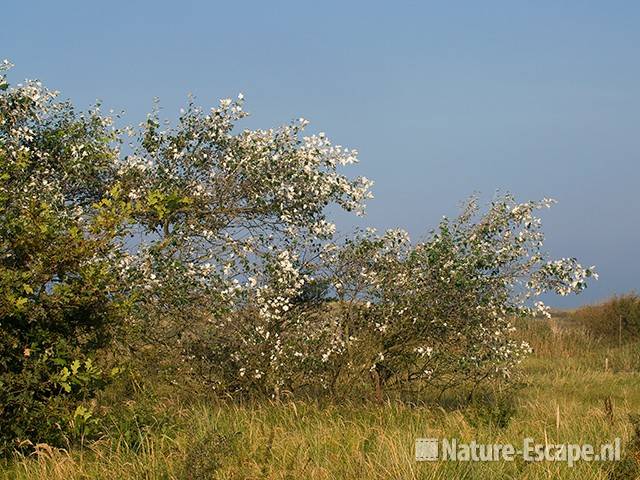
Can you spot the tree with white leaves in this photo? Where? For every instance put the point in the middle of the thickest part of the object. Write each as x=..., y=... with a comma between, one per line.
x=440, y=313
x=229, y=221
x=208, y=248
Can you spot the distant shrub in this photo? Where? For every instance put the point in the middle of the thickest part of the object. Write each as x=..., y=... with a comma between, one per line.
x=615, y=320
x=556, y=337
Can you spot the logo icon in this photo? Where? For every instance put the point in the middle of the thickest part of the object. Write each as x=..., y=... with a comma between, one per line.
x=426, y=449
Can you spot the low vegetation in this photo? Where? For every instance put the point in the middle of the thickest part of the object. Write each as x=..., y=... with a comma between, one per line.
x=569, y=392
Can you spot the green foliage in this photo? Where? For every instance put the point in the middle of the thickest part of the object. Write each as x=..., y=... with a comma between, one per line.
x=493, y=408
x=43, y=392
x=57, y=281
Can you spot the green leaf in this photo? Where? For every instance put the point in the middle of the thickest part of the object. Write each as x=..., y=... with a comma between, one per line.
x=21, y=301
x=75, y=366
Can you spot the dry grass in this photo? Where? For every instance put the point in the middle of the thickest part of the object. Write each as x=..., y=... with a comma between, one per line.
x=299, y=440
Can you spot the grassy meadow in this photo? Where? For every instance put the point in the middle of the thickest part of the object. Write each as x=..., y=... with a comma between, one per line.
x=575, y=388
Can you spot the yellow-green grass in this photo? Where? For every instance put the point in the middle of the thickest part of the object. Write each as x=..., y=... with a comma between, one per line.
x=576, y=390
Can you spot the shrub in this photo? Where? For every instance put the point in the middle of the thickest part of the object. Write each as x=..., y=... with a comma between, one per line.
x=617, y=320
x=57, y=228
x=435, y=315
x=233, y=276
x=439, y=313
x=230, y=222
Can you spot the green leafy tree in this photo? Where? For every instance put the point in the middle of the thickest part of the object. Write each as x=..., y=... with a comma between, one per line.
x=60, y=215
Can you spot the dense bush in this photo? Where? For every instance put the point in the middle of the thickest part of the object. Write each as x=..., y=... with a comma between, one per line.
x=617, y=320
x=436, y=314
x=206, y=255
x=227, y=220
x=57, y=230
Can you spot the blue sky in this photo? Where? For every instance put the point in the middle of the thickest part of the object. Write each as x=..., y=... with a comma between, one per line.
x=442, y=99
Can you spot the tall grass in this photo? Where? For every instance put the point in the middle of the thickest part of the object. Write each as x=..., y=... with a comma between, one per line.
x=577, y=389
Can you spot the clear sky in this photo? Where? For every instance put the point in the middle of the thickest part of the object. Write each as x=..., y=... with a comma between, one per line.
x=442, y=99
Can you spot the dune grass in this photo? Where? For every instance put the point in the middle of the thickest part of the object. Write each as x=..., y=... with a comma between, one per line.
x=575, y=390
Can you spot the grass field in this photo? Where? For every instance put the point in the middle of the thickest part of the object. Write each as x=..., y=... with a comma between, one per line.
x=576, y=389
